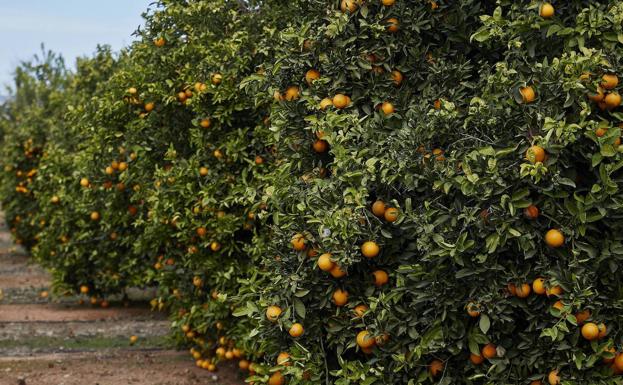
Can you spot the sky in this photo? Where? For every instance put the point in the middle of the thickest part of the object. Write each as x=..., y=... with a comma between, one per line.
x=72, y=28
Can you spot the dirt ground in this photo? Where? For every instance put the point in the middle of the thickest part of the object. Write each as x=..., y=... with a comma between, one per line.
x=111, y=368
x=56, y=341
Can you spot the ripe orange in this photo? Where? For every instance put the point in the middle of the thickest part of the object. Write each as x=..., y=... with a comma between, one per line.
x=203, y=171
x=340, y=297
x=84, y=289
x=348, y=6
x=387, y=108
x=388, y=3
x=554, y=238
x=370, y=249
x=598, y=96
x=292, y=93
x=554, y=290
x=609, y=360
x=590, y=331
x=473, y=310
x=216, y=79
x=531, y=212
x=84, y=182
x=55, y=199
x=392, y=24
x=613, y=100
x=582, y=316
x=527, y=94
x=205, y=123
x=538, y=286
x=109, y=170
x=553, y=377
x=298, y=242
x=360, y=310
x=558, y=305
x=321, y=146
x=340, y=101
x=618, y=361
x=435, y=368
x=215, y=246
x=378, y=208
x=397, y=77
x=95, y=216
x=160, y=42
x=324, y=103
x=546, y=11
x=609, y=81
x=337, y=272
x=476, y=359
x=243, y=364
x=489, y=351
x=380, y=278
x=512, y=289
x=325, y=263
x=535, y=154
x=523, y=290
x=276, y=379
x=311, y=75
x=296, y=330
x=284, y=359
x=364, y=340
x=391, y=214
x=273, y=312
x=603, y=330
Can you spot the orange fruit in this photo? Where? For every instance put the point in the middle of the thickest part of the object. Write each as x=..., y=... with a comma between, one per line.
x=553, y=378
x=582, y=316
x=603, y=330
x=284, y=359
x=558, y=305
x=216, y=79
x=273, y=312
x=298, y=242
x=435, y=368
x=370, y=249
x=296, y=330
x=325, y=263
x=292, y=93
x=215, y=246
x=489, y=351
x=160, y=42
x=321, y=146
x=476, y=359
x=527, y=94
x=55, y=199
x=554, y=238
x=340, y=101
x=546, y=11
x=531, y=212
x=311, y=75
x=243, y=364
x=598, y=96
x=613, y=100
x=512, y=289
x=392, y=24
x=326, y=102
x=84, y=182
x=473, y=310
x=203, y=171
x=378, y=208
x=360, y=310
x=380, y=278
x=618, y=361
x=84, y=289
x=348, y=5
x=609, y=360
x=609, y=81
x=387, y=108
x=538, y=286
x=276, y=379
x=554, y=290
x=535, y=154
x=340, y=297
x=95, y=216
x=337, y=272
x=523, y=290
x=388, y=3
x=590, y=331
x=391, y=214
x=397, y=77
x=205, y=123
x=364, y=340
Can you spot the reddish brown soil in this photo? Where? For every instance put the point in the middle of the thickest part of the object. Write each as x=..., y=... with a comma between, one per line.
x=111, y=368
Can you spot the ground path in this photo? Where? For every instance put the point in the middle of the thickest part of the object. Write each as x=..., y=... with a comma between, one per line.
x=47, y=341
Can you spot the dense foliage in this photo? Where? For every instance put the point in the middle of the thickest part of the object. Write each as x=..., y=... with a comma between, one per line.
x=351, y=193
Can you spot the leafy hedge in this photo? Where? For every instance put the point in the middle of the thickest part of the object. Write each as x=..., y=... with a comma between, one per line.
x=342, y=192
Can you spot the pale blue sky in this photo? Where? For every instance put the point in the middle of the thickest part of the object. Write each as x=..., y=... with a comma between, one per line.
x=71, y=27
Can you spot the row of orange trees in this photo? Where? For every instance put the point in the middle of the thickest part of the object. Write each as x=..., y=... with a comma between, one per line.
x=353, y=192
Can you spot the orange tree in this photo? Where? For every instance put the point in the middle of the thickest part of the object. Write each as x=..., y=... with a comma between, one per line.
x=446, y=209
